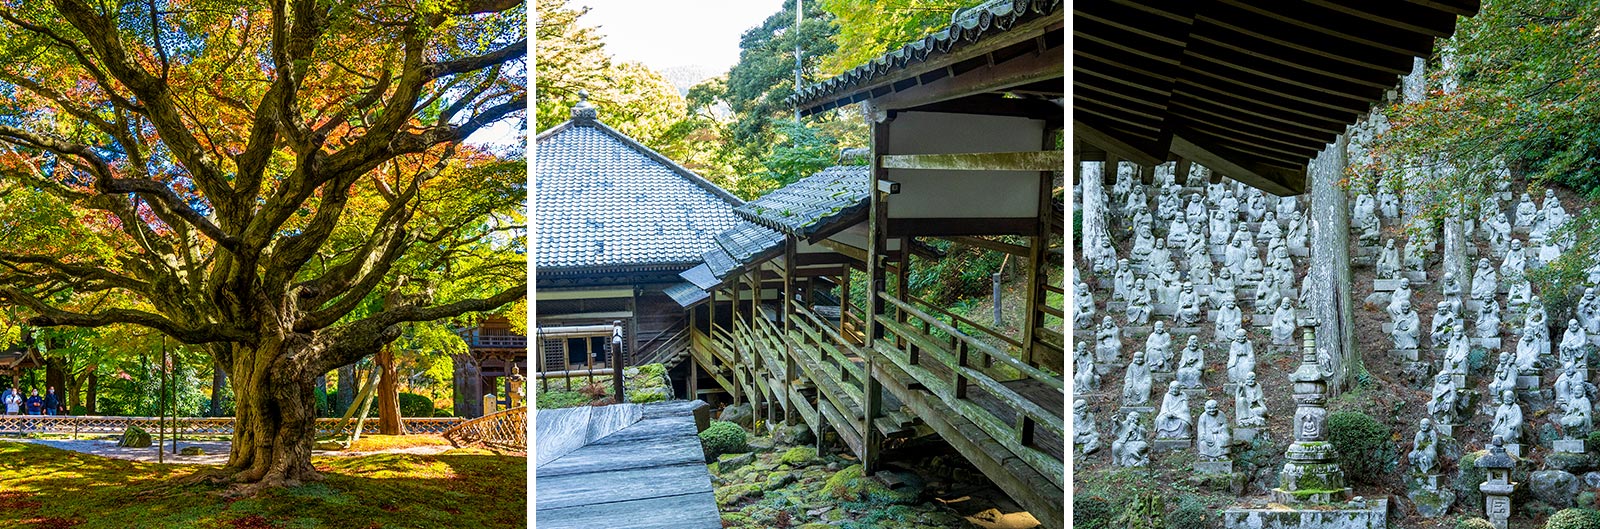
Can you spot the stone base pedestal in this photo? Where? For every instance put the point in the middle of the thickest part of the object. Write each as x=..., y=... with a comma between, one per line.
x=1408, y=355
x=1417, y=277
x=1487, y=343
x=1143, y=410
x=1117, y=307
x=1194, y=393
x=1570, y=446
x=1528, y=382
x=1365, y=514
x=1162, y=377
x=1184, y=331
x=1514, y=449
x=1387, y=285
x=1224, y=466
x=1166, y=445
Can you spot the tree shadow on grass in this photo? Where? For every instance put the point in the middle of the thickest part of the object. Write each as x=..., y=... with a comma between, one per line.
x=47, y=487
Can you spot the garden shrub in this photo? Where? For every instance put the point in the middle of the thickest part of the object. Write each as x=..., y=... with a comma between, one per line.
x=1474, y=523
x=1190, y=514
x=414, y=405
x=1092, y=511
x=1365, y=446
x=723, y=437
x=1574, y=519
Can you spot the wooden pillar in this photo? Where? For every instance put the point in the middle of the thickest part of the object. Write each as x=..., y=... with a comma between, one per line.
x=739, y=364
x=844, y=303
x=786, y=308
x=1329, y=277
x=877, y=229
x=1033, y=313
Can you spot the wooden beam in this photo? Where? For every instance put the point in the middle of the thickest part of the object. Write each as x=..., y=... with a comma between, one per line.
x=989, y=244
x=1272, y=181
x=1087, y=134
x=976, y=161
x=950, y=226
x=1027, y=69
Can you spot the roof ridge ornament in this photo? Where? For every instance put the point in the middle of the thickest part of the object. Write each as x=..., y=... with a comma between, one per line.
x=584, y=111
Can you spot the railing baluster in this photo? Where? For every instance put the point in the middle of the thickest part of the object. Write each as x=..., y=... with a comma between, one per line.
x=961, y=376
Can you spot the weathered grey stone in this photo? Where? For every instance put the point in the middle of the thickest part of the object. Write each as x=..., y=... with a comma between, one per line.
x=134, y=437
x=1357, y=514
x=740, y=415
x=1555, y=487
x=192, y=451
x=730, y=462
x=1591, y=480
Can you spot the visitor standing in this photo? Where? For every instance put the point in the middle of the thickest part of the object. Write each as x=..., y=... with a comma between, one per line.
x=13, y=401
x=35, y=403
x=52, y=405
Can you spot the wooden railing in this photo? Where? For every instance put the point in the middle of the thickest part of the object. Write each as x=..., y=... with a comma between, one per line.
x=505, y=429
x=955, y=356
x=94, y=424
x=664, y=351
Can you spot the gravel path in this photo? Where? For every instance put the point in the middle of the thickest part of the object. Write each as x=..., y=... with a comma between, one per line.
x=216, y=452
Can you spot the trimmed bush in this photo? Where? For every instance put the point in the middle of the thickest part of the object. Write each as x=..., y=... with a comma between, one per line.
x=1092, y=511
x=414, y=405
x=1474, y=523
x=1190, y=514
x=1366, y=450
x=723, y=437
x=1574, y=519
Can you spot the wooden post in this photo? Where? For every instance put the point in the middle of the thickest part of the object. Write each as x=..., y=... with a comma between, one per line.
x=790, y=366
x=619, y=361
x=844, y=303
x=876, y=250
x=1033, y=314
x=739, y=364
x=161, y=408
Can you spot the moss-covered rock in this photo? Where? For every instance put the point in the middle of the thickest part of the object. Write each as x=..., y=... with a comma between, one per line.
x=192, y=451
x=849, y=484
x=799, y=456
x=731, y=462
x=134, y=437
x=1574, y=463
x=1574, y=519
x=733, y=494
x=722, y=438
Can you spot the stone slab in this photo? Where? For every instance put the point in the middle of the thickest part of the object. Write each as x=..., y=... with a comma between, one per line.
x=1487, y=343
x=1214, y=467
x=1528, y=382
x=1514, y=449
x=1195, y=393
x=1409, y=355
x=1299, y=251
x=1373, y=514
x=1167, y=445
x=1416, y=276
x=1386, y=285
x=1165, y=309
x=1570, y=446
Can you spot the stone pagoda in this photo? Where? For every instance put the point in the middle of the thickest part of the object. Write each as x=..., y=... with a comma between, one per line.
x=1312, y=472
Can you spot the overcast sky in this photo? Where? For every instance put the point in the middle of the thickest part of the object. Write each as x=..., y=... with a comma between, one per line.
x=668, y=33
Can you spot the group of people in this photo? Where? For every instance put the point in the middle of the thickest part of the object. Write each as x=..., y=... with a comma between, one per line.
x=16, y=404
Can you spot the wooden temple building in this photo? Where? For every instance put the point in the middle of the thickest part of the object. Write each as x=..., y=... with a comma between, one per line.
x=494, y=353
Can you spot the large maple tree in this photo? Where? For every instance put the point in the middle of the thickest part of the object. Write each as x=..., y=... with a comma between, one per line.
x=284, y=183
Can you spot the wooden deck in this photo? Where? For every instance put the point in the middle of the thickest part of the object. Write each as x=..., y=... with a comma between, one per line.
x=623, y=466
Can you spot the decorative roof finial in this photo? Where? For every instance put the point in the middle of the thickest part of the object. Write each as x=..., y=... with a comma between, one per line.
x=584, y=111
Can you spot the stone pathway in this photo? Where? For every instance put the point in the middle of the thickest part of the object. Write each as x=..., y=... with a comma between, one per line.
x=216, y=452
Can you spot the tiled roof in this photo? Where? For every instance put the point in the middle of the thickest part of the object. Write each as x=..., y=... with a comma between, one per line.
x=719, y=262
x=686, y=294
x=967, y=26
x=808, y=205
x=748, y=240
x=604, y=200
x=701, y=276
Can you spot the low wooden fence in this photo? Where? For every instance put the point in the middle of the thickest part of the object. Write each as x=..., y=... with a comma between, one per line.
x=505, y=429
x=91, y=424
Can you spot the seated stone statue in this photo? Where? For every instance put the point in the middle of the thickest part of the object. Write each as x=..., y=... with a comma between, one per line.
x=1138, y=311
x=1388, y=264
x=1158, y=348
x=1212, y=433
x=1446, y=399
x=1122, y=281
x=1136, y=383
x=1528, y=352
x=1174, y=420
x=1086, y=376
x=1268, y=293
x=1298, y=234
x=1406, y=328
x=1536, y=318
x=1526, y=212
x=1085, y=434
x=1574, y=348
x=1105, y=260
x=1249, y=406
x=1188, y=314
x=1223, y=289
x=1108, y=340
x=1283, y=323
x=1589, y=311
x=1131, y=449
x=1444, y=323
x=1450, y=287
x=1229, y=318
x=1370, y=228
x=1485, y=282
x=1505, y=375
x=1518, y=295
x=1424, y=455
x=1191, y=364
x=1234, y=255
x=1499, y=233
x=1083, y=306
x=1253, y=267
x=1400, y=296
x=1488, y=324
x=1241, y=357
x=1455, y=355
x=1508, y=418
x=1269, y=226
x=1515, y=265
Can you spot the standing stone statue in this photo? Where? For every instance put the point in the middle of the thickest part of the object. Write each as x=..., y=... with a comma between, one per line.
x=1589, y=312
x=1085, y=434
x=1424, y=455
x=1223, y=289
x=1158, y=348
x=1212, y=434
x=1191, y=364
x=1241, y=357
x=1122, y=281
x=1536, y=319
x=1407, y=327
x=1249, y=405
x=1574, y=348
x=1188, y=314
x=1446, y=402
x=1283, y=323
x=1199, y=257
x=1131, y=448
x=1229, y=319
x=1445, y=322
x=1086, y=378
x=1485, y=282
x=1108, y=341
x=1083, y=303
x=1508, y=418
x=1136, y=383
x=1388, y=264
x=1455, y=355
x=1526, y=212
x=1174, y=421
x=1505, y=374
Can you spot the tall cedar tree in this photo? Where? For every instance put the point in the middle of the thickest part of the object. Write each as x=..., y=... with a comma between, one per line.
x=248, y=177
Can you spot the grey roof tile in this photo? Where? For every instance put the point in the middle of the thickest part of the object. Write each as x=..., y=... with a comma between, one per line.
x=602, y=199
x=701, y=276
x=686, y=293
x=812, y=203
x=747, y=240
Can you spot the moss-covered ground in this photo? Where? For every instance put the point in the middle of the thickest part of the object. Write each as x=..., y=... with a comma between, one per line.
x=643, y=384
x=43, y=487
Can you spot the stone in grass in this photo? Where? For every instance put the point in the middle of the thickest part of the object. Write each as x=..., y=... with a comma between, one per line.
x=1554, y=487
x=1431, y=503
x=799, y=456
x=330, y=445
x=733, y=494
x=798, y=434
x=731, y=462
x=739, y=414
x=1567, y=462
x=778, y=481
x=134, y=437
x=192, y=451
x=849, y=484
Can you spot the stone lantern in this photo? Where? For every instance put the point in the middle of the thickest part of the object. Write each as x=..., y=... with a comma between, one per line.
x=1497, y=486
x=1312, y=472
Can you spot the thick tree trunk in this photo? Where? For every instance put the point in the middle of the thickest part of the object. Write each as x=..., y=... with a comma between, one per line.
x=388, y=393
x=1092, y=180
x=468, y=387
x=94, y=392
x=218, y=379
x=348, y=386
x=275, y=414
x=55, y=375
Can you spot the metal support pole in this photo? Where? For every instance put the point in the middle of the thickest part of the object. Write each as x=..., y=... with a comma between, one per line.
x=996, y=280
x=617, y=361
